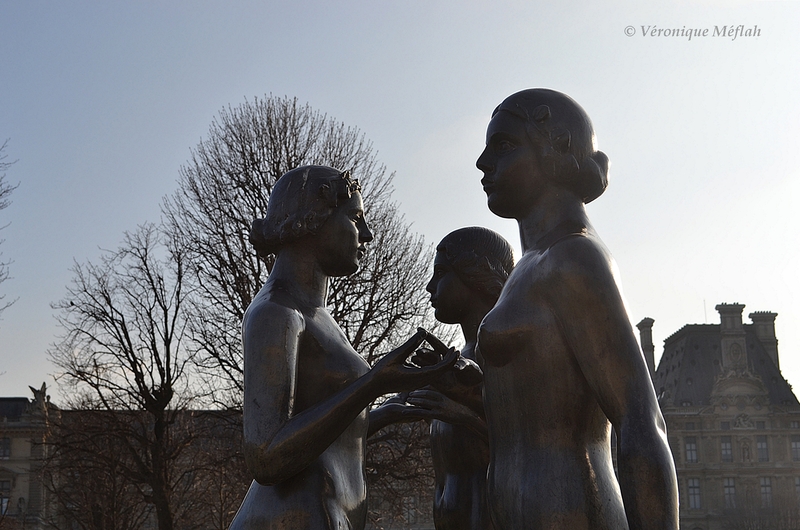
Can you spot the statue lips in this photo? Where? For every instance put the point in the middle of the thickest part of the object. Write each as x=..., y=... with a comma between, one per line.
x=488, y=185
x=362, y=249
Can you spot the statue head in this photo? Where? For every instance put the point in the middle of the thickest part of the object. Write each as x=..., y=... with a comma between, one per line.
x=300, y=203
x=562, y=136
x=480, y=259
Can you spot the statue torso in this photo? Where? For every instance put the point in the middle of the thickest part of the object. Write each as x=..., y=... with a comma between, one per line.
x=330, y=493
x=460, y=458
x=550, y=441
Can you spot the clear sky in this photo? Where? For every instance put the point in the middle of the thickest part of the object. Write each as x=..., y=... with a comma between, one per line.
x=102, y=102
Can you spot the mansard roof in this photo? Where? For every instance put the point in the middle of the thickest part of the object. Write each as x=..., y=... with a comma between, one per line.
x=12, y=408
x=692, y=362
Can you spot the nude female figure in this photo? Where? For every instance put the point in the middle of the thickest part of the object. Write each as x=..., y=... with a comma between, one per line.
x=469, y=270
x=306, y=390
x=561, y=362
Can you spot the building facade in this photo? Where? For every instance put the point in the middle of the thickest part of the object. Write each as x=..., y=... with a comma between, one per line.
x=23, y=427
x=733, y=422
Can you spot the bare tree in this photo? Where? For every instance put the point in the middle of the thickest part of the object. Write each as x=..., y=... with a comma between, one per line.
x=5, y=201
x=227, y=183
x=86, y=472
x=124, y=363
x=161, y=316
x=752, y=513
x=92, y=471
x=399, y=472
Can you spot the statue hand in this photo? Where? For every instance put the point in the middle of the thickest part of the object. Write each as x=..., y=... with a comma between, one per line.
x=431, y=404
x=402, y=412
x=394, y=373
x=467, y=372
x=425, y=357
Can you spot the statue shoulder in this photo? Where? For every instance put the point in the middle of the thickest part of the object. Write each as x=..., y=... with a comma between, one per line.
x=272, y=313
x=580, y=255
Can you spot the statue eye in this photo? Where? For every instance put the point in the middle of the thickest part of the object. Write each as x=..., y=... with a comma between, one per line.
x=440, y=272
x=505, y=146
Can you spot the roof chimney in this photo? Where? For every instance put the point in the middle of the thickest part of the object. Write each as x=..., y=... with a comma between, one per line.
x=646, y=340
x=764, y=324
x=732, y=340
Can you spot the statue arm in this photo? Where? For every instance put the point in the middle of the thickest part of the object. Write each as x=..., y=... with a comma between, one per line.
x=430, y=404
x=427, y=404
x=280, y=442
x=594, y=320
x=393, y=410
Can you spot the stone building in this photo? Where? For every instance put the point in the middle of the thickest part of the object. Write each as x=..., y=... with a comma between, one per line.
x=23, y=426
x=733, y=422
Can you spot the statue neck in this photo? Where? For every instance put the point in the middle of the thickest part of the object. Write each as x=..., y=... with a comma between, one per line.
x=556, y=214
x=471, y=323
x=296, y=270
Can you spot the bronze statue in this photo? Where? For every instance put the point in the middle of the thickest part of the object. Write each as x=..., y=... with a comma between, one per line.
x=469, y=270
x=306, y=389
x=561, y=361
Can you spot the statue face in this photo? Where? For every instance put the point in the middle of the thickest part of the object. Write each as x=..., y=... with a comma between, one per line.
x=512, y=176
x=340, y=241
x=450, y=297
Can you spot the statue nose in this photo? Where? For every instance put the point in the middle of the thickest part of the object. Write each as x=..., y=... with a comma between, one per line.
x=483, y=163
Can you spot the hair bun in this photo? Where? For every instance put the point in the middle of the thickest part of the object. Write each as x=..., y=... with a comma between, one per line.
x=257, y=238
x=593, y=176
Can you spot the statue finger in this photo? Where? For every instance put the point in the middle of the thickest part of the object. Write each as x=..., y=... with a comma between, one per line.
x=448, y=361
x=434, y=341
x=426, y=394
x=416, y=340
x=425, y=357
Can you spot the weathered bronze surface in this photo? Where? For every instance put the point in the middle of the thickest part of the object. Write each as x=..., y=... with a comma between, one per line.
x=561, y=362
x=469, y=270
x=306, y=389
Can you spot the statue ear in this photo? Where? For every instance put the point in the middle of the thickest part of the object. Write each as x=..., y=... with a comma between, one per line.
x=562, y=139
x=312, y=222
x=541, y=113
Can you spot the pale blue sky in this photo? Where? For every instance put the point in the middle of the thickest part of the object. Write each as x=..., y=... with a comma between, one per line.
x=102, y=102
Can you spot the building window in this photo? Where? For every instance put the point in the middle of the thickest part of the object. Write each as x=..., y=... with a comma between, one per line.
x=766, y=492
x=694, y=493
x=762, y=449
x=729, y=492
x=5, y=493
x=794, y=424
x=689, y=426
x=725, y=449
x=691, y=450
x=725, y=425
x=5, y=447
x=796, y=447
x=410, y=509
x=797, y=486
x=760, y=425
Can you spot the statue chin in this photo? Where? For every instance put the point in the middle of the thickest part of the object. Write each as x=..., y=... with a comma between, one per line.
x=497, y=207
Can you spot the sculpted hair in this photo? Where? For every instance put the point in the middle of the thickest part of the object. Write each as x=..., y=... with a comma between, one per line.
x=562, y=132
x=480, y=257
x=301, y=201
